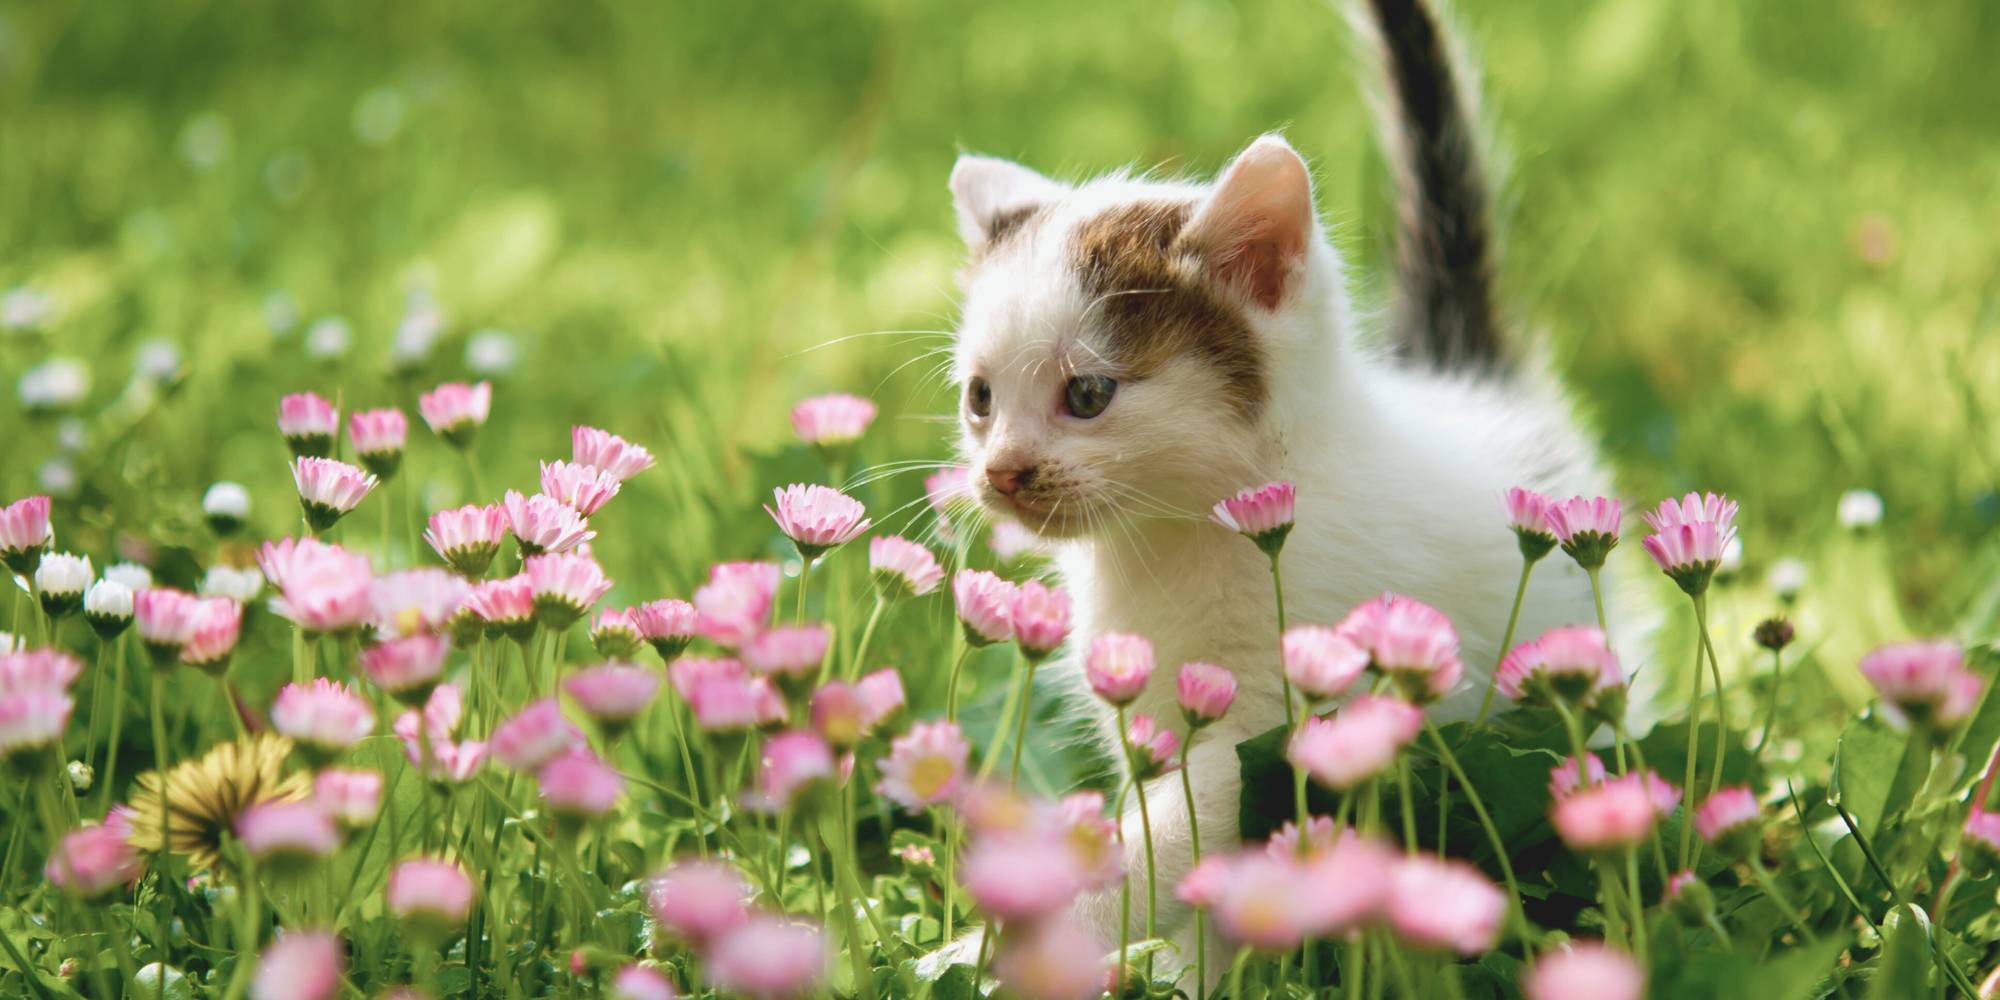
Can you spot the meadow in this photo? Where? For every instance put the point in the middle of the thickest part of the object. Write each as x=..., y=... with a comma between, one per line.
x=1753, y=241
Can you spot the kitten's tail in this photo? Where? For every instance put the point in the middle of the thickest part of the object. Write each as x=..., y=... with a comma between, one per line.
x=1443, y=307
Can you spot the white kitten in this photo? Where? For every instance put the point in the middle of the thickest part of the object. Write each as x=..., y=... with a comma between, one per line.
x=1132, y=351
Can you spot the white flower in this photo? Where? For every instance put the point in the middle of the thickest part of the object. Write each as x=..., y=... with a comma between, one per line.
x=1860, y=509
x=205, y=141
x=239, y=585
x=134, y=576
x=11, y=643
x=57, y=477
x=107, y=598
x=328, y=338
x=417, y=333
x=63, y=574
x=25, y=308
x=157, y=359
x=226, y=499
x=279, y=313
x=492, y=352
x=71, y=434
x=1787, y=578
x=55, y=384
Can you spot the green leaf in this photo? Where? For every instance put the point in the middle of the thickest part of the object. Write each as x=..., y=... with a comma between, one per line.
x=1865, y=764
x=1905, y=960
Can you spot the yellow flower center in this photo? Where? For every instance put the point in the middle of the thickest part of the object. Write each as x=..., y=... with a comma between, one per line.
x=929, y=774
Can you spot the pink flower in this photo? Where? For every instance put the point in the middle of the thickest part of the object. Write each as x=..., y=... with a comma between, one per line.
x=613, y=693
x=456, y=411
x=1979, y=844
x=1729, y=819
x=323, y=717
x=329, y=489
x=638, y=982
x=769, y=958
x=352, y=798
x=1359, y=742
x=1348, y=884
x=1587, y=528
x=299, y=965
x=925, y=765
x=690, y=673
x=1078, y=822
x=1205, y=692
x=24, y=533
x=1056, y=959
x=817, y=518
x=723, y=704
x=308, y=423
x=584, y=488
x=506, y=606
x=566, y=586
x=431, y=892
x=837, y=714
x=793, y=762
x=1205, y=882
x=946, y=490
x=95, y=860
x=1689, y=537
x=1585, y=970
x=544, y=524
x=1152, y=747
x=1319, y=837
x=1022, y=876
x=288, y=834
x=1265, y=904
x=985, y=606
x=666, y=624
x=833, y=420
x=1041, y=618
x=1923, y=684
x=902, y=568
x=406, y=668
x=31, y=721
x=881, y=694
x=1444, y=905
x=535, y=735
x=1568, y=664
x=38, y=670
x=1118, y=666
x=1566, y=777
x=699, y=901
x=1612, y=814
x=378, y=437
x=1262, y=514
x=735, y=604
x=468, y=537
x=414, y=600
x=615, y=633
x=607, y=451
x=788, y=652
x=577, y=784
x=1408, y=641
x=1528, y=515
x=165, y=619
x=323, y=589
x=1320, y=661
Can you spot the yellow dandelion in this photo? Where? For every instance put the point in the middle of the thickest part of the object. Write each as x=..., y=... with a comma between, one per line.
x=205, y=796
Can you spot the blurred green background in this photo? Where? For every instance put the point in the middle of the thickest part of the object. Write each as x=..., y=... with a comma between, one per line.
x=1757, y=238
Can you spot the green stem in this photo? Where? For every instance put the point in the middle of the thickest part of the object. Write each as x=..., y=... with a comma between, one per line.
x=1146, y=830
x=1194, y=847
x=1409, y=806
x=1687, y=782
x=246, y=937
x=864, y=982
x=1770, y=887
x=855, y=666
x=1007, y=706
x=28, y=972
x=1236, y=974
x=1597, y=597
x=109, y=777
x=1506, y=641
x=1639, y=932
x=1021, y=727
x=951, y=682
x=1771, y=709
x=805, y=577
x=1485, y=821
x=1278, y=588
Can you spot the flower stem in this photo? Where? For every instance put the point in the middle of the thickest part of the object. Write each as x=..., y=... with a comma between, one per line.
x=1771, y=709
x=1146, y=830
x=864, y=983
x=805, y=577
x=1715, y=674
x=1194, y=848
x=854, y=666
x=1409, y=805
x=1278, y=588
x=1021, y=727
x=1687, y=783
x=1485, y=821
x=1639, y=933
x=951, y=682
x=1000, y=721
x=119, y=657
x=1597, y=597
x=1236, y=973
x=1506, y=641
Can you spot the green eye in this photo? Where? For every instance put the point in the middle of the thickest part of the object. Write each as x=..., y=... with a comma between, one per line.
x=1088, y=395
x=978, y=397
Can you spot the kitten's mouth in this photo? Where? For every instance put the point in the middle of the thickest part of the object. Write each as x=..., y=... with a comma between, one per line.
x=1062, y=517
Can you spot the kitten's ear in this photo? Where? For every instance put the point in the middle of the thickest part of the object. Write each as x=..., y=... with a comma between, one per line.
x=1252, y=231
x=990, y=194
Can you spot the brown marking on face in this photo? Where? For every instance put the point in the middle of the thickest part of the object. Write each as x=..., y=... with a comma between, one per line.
x=1156, y=304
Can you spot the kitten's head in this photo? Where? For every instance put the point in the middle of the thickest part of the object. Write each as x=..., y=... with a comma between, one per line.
x=1117, y=349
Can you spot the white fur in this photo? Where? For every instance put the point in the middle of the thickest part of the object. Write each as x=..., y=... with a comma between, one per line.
x=1400, y=478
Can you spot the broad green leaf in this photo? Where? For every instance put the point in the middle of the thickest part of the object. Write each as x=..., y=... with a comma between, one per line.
x=1905, y=961
x=1864, y=771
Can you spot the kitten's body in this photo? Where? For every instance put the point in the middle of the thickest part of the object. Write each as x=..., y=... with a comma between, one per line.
x=1220, y=314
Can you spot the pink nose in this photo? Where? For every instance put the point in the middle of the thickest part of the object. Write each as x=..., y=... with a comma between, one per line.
x=1009, y=481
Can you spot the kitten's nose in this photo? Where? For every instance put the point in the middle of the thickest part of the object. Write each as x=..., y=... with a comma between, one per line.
x=1010, y=481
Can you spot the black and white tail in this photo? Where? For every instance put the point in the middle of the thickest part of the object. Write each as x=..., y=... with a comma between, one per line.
x=1443, y=308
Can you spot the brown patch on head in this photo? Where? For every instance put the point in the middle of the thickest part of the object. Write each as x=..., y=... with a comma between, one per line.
x=1002, y=229
x=1156, y=304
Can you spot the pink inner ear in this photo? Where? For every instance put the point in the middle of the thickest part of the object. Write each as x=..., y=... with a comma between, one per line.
x=1261, y=262
x=1252, y=233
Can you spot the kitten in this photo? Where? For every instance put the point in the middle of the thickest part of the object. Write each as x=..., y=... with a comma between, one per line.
x=1133, y=350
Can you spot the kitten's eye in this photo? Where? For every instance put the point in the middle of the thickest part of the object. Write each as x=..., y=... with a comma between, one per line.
x=1088, y=395
x=979, y=397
